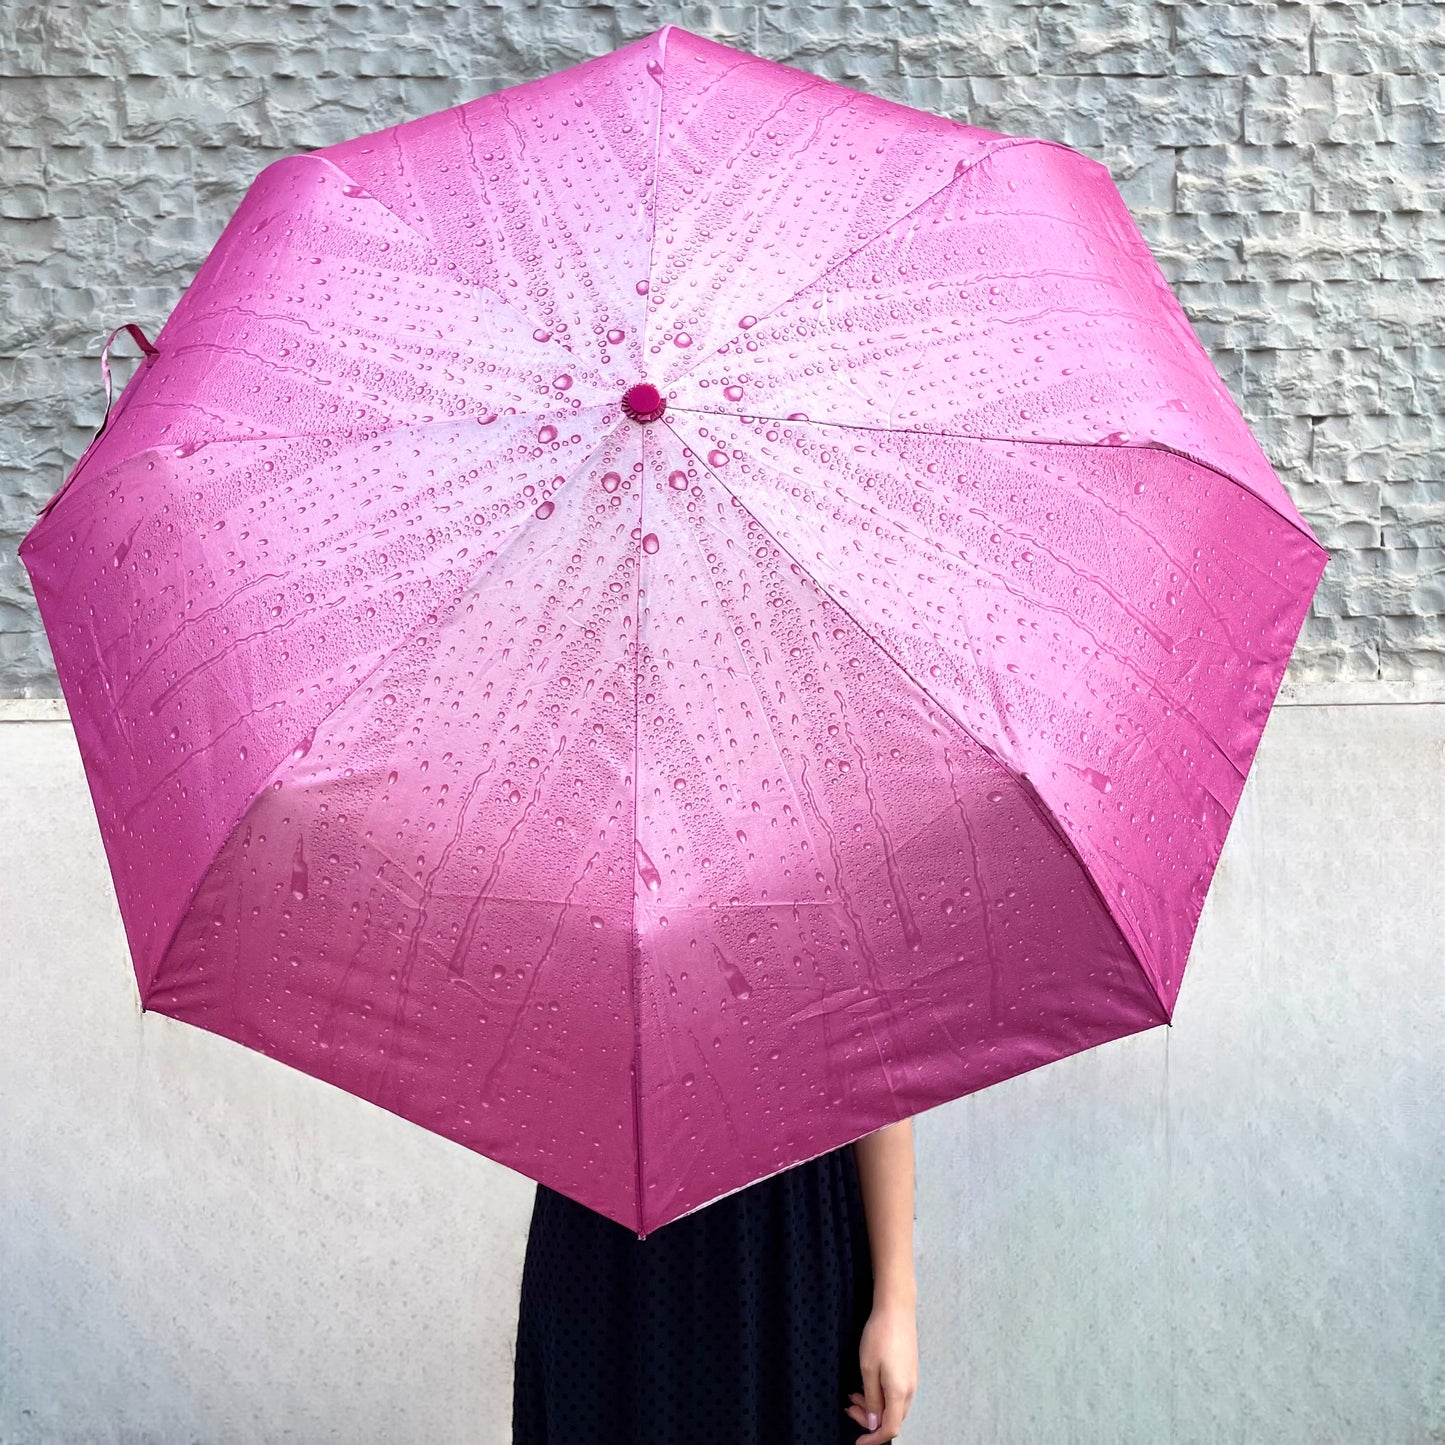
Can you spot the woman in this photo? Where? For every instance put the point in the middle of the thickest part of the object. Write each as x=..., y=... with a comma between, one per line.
x=782, y=1314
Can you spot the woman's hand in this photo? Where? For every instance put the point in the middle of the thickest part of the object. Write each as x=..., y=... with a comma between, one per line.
x=888, y=1348
x=888, y=1354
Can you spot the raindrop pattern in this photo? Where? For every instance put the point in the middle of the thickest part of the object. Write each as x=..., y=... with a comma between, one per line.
x=652, y=806
x=1020, y=302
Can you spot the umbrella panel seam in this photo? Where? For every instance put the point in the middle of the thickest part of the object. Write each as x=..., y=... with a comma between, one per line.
x=958, y=175
x=901, y=431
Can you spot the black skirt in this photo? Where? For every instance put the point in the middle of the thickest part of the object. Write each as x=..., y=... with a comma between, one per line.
x=735, y=1325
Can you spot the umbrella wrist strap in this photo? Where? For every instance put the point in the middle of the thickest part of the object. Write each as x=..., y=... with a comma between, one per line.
x=140, y=339
x=148, y=351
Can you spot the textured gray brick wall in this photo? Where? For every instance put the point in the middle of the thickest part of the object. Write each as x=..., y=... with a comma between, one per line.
x=1283, y=160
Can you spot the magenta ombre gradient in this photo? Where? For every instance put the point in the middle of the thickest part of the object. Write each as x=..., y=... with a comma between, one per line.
x=650, y=803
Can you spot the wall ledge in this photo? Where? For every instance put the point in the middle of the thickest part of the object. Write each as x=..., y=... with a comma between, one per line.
x=33, y=709
x=1342, y=692
x=1357, y=691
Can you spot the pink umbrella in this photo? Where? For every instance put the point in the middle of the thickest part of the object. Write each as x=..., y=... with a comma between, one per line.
x=663, y=619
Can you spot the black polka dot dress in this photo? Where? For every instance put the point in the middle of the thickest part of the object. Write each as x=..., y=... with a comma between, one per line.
x=735, y=1325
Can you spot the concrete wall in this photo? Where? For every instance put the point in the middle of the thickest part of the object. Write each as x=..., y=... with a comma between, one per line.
x=1285, y=161
x=1225, y=1231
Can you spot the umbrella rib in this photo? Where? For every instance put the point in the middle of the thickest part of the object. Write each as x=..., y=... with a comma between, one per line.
x=458, y=353
x=440, y=623
x=906, y=431
x=1025, y=785
x=435, y=250
x=747, y=670
x=1173, y=701
x=634, y=946
x=364, y=433
x=391, y=429
x=656, y=179
x=958, y=175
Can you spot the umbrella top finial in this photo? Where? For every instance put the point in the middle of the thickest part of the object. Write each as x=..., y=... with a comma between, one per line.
x=643, y=402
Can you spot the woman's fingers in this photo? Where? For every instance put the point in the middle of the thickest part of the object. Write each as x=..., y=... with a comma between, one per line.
x=873, y=1395
x=871, y=1407
x=857, y=1412
x=898, y=1395
x=887, y=1424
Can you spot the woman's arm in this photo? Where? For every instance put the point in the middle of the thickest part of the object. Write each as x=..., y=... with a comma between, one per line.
x=888, y=1351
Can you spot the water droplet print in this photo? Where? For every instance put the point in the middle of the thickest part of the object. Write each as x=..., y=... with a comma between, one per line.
x=635, y=623
x=647, y=869
x=300, y=874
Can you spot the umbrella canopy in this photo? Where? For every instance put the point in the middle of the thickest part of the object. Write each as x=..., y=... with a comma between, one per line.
x=658, y=621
